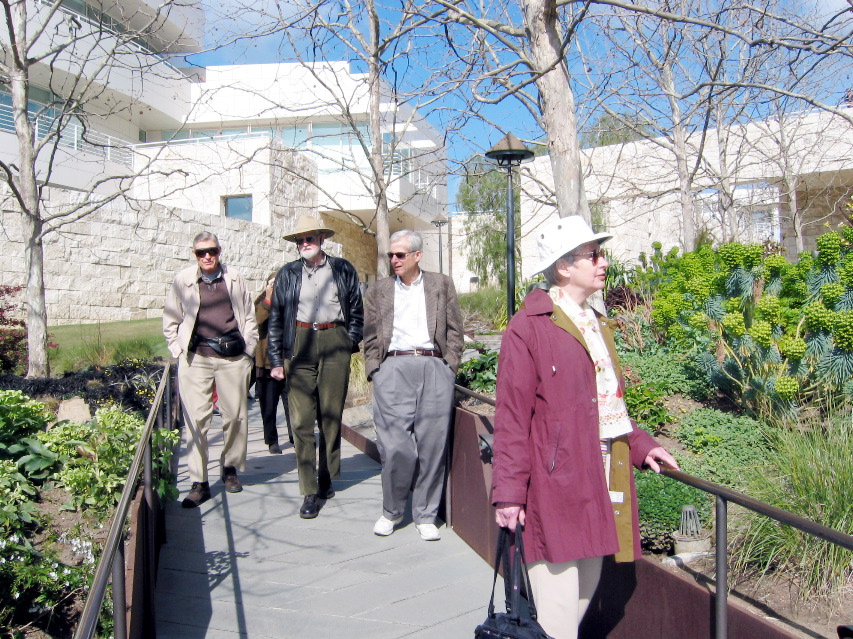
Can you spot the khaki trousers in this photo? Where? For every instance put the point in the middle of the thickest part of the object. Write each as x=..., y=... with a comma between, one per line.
x=317, y=383
x=562, y=593
x=196, y=376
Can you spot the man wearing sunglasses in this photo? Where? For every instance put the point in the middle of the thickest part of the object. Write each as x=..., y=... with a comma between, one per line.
x=209, y=325
x=316, y=323
x=412, y=345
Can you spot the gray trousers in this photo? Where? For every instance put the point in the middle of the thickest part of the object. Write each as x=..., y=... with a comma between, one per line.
x=412, y=403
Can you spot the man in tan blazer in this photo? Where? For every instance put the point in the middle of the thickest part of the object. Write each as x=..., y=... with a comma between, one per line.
x=412, y=345
x=208, y=304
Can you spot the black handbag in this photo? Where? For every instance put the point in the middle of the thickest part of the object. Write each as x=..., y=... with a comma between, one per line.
x=515, y=623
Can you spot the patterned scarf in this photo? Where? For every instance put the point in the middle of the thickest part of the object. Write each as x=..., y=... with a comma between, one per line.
x=613, y=419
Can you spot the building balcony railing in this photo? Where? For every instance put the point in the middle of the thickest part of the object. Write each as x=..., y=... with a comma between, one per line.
x=74, y=135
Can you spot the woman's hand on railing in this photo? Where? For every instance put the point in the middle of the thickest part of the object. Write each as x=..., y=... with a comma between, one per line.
x=658, y=455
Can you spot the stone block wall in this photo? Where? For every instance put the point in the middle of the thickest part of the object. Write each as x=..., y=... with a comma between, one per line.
x=117, y=263
x=356, y=246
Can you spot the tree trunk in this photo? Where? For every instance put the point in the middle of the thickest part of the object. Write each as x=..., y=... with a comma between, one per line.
x=790, y=206
x=380, y=195
x=29, y=199
x=557, y=105
x=38, y=365
x=685, y=192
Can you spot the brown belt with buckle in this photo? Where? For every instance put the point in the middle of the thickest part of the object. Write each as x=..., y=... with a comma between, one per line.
x=418, y=351
x=319, y=326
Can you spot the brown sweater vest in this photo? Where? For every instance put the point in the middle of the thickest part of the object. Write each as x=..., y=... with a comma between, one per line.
x=215, y=315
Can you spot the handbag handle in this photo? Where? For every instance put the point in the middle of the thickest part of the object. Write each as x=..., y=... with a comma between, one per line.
x=520, y=577
x=501, y=556
x=515, y=575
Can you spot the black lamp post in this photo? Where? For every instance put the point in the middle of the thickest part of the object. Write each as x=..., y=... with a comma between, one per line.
x=438, y=223
x=510, y=152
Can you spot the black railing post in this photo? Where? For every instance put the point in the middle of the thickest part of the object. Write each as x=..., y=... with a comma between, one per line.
x=119, y=594
x=721, y=602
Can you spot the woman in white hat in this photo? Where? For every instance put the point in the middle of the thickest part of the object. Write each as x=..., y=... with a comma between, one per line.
x=564, y=443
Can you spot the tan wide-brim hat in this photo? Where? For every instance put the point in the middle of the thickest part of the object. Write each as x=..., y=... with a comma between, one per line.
x=561, y=236
x=306, y=225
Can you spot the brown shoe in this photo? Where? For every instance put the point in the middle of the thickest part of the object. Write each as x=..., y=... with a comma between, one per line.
x=230, y=479
x=199, y=493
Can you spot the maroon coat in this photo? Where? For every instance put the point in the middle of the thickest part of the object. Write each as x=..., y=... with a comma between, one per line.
x=546, y=446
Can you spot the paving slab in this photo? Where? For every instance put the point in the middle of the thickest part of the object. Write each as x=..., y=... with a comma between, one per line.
x=246, y=566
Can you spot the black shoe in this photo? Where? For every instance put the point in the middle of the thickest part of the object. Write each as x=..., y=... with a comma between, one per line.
x=326, y=493
x=275, y=449
x=310, y=507
x=230, y=479
x=199, y=493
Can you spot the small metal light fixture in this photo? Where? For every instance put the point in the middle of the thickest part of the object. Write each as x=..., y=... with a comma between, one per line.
x=509, y=153
x=438, y=223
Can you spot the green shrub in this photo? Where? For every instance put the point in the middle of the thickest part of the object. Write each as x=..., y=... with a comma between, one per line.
x=17, y=499
x=809, y=473
x=660, y=500
x=100, y=453
x=669, y=372
x=645, y=406
x=479, y=374
x=20, y=416
x=729, y=448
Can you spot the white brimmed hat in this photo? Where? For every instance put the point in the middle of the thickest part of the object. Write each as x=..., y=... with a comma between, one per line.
x=560, y=236
x=307, y=224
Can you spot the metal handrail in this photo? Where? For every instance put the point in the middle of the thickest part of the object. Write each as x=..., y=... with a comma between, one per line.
x=723, y=496
x=112, y=558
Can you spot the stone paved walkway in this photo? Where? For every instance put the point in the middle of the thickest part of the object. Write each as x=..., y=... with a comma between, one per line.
x=245, y=565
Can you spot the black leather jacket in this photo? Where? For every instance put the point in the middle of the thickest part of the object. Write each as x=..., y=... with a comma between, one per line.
x=288, y=283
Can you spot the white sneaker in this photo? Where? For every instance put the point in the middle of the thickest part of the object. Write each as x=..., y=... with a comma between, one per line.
x=428, y=532
x=384, y=526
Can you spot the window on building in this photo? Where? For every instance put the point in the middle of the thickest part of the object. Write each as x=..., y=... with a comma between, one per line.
x=238, y=206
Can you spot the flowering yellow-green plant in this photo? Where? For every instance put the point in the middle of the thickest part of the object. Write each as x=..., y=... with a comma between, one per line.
x=766, y=331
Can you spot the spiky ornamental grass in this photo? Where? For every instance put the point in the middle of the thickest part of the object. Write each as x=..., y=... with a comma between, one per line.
x=809, y=472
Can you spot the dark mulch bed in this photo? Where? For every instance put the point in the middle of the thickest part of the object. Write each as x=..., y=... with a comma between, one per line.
x=95, y=385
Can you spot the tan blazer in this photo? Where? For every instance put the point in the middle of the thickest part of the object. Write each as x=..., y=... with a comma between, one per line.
x=181, y=310
x=444, y=320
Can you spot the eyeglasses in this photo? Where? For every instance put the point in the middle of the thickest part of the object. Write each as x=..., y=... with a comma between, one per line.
x=308, y=239
x=213, y=251
x=399, y=256
x=595, y=255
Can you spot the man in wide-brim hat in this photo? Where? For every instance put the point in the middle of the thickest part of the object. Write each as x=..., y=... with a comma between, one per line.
x=316, y=323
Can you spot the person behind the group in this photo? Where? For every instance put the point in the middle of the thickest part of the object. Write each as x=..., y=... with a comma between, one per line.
x=316, y=322
x=268, y=390
x=412, y=345
x=564, y=443
x=207, y=304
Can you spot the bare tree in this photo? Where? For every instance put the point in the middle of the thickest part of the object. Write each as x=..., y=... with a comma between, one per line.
x=385, y=115
x=69, y=60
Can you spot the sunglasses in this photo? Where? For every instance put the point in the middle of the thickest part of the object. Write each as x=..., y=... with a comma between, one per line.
x=595, y=255
x=308, y=239
x=399, y=256
x=213, y=251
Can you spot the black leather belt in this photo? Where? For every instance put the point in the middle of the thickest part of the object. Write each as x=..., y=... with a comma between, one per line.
x=418, y=351
x=319, y=326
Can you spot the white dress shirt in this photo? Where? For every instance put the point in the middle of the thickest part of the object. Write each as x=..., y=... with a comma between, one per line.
x=410, y=319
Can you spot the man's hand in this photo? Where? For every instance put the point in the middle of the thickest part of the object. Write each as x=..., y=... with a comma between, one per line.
x=277, y=373
x=507, y=515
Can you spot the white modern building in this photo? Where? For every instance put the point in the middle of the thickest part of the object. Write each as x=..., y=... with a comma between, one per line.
x=784, y=177
x=238, y=150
